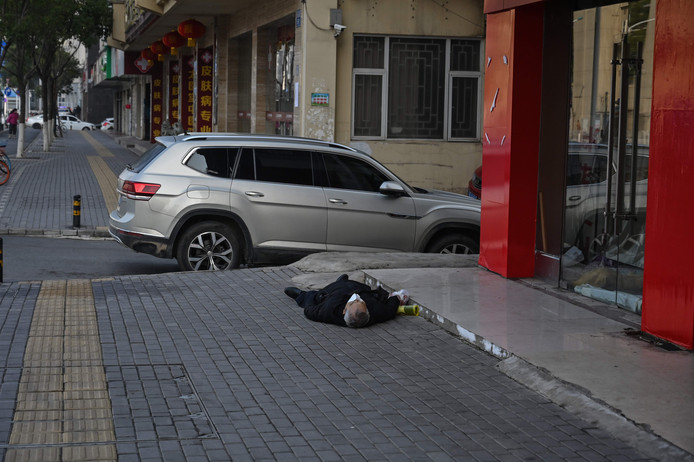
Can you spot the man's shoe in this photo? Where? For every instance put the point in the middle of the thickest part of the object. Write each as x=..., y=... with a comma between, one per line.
x=292, y=292
x=343, y=277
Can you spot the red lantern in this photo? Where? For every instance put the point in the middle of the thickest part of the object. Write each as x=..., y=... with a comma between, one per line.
x=148, y=54
x=191, y=29
x=158, y=49
x=173, y=41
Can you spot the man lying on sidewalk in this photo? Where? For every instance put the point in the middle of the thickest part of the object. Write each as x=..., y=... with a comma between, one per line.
x=346, y=303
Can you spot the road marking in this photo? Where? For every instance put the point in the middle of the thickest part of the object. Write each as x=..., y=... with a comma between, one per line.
x=108, y=181
x=63, y=409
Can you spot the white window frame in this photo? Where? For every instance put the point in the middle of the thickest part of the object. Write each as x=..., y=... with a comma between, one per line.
x=450, y=75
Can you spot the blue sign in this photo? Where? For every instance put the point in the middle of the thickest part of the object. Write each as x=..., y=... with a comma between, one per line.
x=8, y=91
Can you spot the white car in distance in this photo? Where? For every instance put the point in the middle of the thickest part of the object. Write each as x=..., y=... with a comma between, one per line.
x=71, y=122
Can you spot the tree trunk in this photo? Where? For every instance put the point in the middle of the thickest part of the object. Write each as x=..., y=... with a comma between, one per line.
x=22, y=87
x=47, y=127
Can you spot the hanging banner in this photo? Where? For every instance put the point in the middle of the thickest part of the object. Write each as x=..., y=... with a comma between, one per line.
x=205, y=82
x=187, y=109
x=157, y=72
x=174, y=107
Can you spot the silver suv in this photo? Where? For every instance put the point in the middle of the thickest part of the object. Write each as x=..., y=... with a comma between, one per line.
x=215, y=200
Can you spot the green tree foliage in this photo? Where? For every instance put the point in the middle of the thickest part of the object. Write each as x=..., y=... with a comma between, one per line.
x=12, y=24
x=43, y=37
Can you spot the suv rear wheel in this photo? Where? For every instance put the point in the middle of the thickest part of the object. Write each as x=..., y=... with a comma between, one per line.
x=454, y=243
x=208, y=246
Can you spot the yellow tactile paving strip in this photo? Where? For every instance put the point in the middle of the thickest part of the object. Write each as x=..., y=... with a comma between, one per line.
x=108, y=181
x=100, y=148
x=63, y=410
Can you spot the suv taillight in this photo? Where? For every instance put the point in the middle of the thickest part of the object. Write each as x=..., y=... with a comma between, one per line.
x=139, y=191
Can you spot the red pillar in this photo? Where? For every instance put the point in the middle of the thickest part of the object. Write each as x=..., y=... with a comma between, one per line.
x=512, y=90
x=668, y=285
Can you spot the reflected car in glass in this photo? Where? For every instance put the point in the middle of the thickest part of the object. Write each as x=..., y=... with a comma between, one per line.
x=586, y=196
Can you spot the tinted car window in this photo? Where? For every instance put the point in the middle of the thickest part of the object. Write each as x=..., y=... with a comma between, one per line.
x=147, y=157
x=348, y=173
x=210, y=161
x=641, y=168
x=586, y=169
x=246, y=167
x=283, y=166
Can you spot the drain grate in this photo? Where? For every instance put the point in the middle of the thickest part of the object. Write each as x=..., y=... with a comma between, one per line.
x=157, y=402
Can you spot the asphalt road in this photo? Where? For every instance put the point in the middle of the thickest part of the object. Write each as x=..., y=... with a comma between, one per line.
x=27, y=258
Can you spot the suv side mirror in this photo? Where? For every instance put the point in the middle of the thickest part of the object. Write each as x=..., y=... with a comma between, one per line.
x=391, y=188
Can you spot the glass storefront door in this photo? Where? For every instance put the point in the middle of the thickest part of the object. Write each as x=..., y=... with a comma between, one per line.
x=607, y=166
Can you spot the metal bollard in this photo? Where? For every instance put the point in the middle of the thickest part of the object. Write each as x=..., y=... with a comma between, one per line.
x=76, y=207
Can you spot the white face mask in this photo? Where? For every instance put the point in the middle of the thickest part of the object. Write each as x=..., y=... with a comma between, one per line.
x=354, y=298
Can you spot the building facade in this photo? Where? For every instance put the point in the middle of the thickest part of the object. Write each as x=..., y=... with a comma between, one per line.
x=403, y=84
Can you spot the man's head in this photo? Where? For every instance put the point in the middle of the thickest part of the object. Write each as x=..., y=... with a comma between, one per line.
x=356, y=314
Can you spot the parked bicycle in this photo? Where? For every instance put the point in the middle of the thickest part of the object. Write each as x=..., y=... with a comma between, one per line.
x=5, y=163
x=59, y=129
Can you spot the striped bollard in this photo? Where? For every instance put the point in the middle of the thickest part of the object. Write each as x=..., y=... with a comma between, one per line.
x=76, y=210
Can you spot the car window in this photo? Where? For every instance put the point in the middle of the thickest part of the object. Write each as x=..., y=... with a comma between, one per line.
x=246, y=167
x=147, y=157
x=586, y=169
x=276, y=165
x=210, y=161
x=346, y=172
x=641, y=168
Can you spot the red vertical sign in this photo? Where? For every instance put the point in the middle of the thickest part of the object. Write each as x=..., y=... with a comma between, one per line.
x=157, y=99
x=205, y=82
x=187, y=93
x=174, y=73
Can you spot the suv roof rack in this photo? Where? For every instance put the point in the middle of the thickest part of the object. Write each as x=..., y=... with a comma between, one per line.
x=201, y=136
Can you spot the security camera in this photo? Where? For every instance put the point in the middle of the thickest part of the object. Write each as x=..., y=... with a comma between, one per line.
x=338, y=29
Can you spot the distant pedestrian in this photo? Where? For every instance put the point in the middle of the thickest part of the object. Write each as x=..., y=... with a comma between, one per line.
x=12, y=120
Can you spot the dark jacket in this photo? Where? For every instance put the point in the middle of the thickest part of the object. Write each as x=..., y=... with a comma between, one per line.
x=326, y=305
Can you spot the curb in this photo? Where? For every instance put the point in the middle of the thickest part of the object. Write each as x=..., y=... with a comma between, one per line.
x=100, y=232
x=130, y=144
x=580, y=403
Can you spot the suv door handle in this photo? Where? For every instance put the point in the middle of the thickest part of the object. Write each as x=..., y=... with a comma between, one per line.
x=337, y=201
x=254, y=194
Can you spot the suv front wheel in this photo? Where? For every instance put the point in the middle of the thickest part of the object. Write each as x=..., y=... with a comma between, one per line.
x=454, y=243
x=208, y=246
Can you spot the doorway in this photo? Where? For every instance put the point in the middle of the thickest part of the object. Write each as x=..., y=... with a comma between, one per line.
x=607, y=163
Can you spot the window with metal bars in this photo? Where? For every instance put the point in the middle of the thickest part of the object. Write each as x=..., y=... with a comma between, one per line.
x=416, y=88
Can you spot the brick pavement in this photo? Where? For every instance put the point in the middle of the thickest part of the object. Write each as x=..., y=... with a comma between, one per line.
x=39, y=196
x=223, y=366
